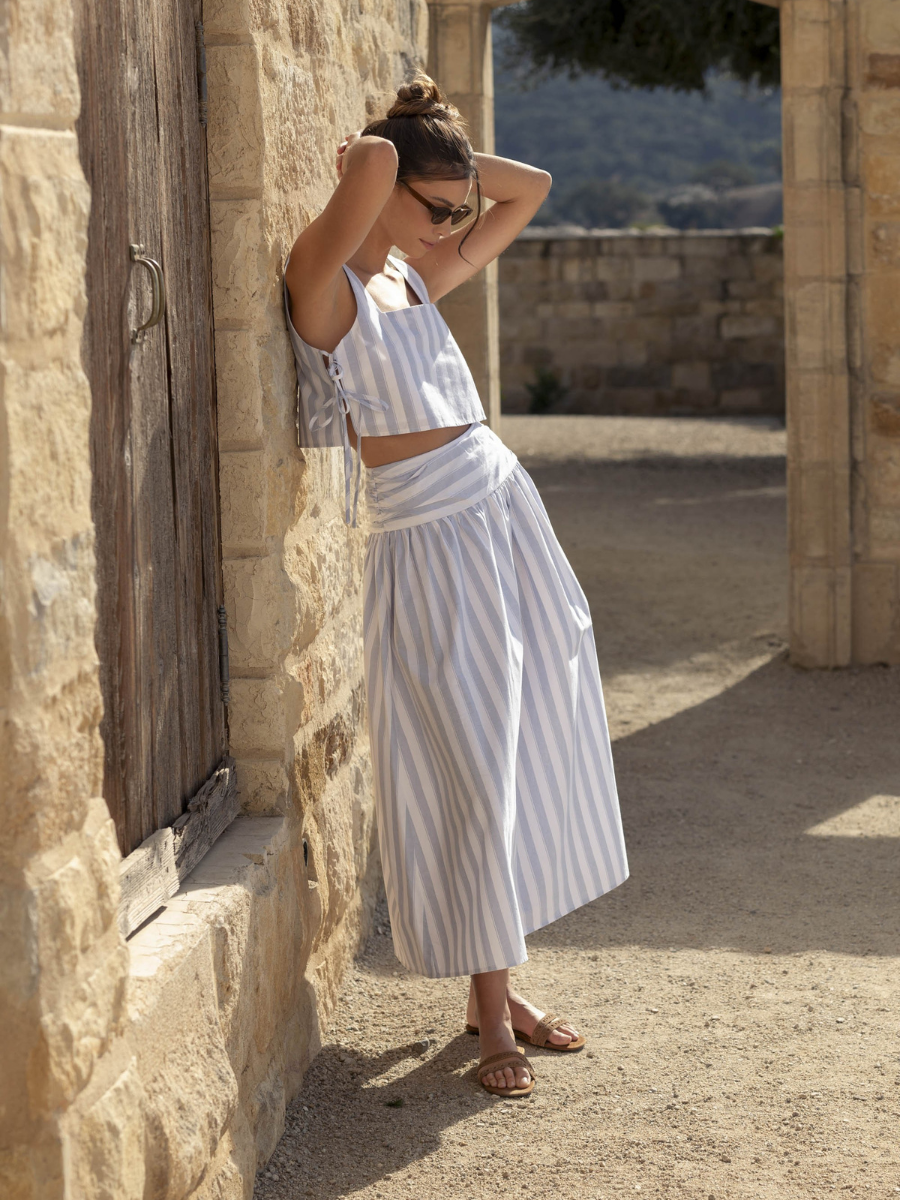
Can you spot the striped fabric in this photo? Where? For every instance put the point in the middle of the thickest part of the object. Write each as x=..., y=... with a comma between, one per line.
x=494, y=786
x=393, y=372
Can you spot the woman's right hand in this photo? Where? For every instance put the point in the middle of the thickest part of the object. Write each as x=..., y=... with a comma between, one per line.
x=348, y=141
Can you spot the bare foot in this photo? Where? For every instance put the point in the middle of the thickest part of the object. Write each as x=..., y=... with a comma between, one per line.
x=523, y=1016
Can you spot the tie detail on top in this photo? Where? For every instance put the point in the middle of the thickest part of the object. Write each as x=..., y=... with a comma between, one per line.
x=338, y=404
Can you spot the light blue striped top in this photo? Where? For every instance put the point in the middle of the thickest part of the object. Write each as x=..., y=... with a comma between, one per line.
x=394, y=372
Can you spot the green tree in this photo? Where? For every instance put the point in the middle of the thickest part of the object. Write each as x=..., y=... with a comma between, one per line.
x=721, y=173
x=598, y=204
x=642, y=43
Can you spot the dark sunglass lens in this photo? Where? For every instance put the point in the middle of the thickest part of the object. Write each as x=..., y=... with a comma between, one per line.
x=439, y=214
x=460, y=216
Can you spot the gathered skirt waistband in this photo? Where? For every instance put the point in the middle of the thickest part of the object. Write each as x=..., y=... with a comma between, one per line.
x=445, y=480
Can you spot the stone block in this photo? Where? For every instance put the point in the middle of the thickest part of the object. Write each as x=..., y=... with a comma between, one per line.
x=108, y=1161
x=238, y=391
x=612, y=270
x=882, y=71
x=573, y=310
x=242, y=477
x=577, y=270
x=744, y=326
x=698, y=271
x=882, y=471
x=812, y=138
x=632, y=353
x=815, y=324
x=263, y=786
x=692, y=376
x=258, y=718
x=882, y=314
x=767, y=307
x=881, y=27
x=657, y=269
x=743, y=400
x=733, y=373
x=882, y=185
x=884, y=532
x=738, y=266
x=806, y=59
x=38, y=78
x=747, y=289
x=236, y=141
x=768, y=267
x=239, y=294
x=884, y=244
x=820, y=616
x=879, y=114
x=260, y=603
x=647, y=376
x=818, y=423
x=819, y=514
x=703, y=246
x=884, y=416
x=44, y=205
x=611, y=308
x=720, y=308
x=876, y=604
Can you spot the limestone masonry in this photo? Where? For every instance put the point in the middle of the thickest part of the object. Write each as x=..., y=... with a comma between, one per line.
x=655, y=322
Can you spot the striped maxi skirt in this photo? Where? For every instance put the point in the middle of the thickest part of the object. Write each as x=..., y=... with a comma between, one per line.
x=494, y=788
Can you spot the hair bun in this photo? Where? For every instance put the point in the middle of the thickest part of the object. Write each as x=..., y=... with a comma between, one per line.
x=422, y=97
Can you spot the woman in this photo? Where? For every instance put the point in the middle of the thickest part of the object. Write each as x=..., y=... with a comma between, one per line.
x=494, y=788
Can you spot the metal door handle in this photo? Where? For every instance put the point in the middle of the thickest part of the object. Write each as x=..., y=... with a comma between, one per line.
x=136, y=250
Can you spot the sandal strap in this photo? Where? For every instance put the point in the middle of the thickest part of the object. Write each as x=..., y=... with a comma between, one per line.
x=545, y=1026
x=508, y=1058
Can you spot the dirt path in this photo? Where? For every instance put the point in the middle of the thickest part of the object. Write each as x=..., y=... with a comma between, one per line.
x=739, y=990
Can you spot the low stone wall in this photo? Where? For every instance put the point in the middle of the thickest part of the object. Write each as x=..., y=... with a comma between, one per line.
x=657, y=322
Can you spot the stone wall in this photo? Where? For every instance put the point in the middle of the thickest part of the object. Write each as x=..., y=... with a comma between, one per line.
x=640, y=323
x=160, y=1067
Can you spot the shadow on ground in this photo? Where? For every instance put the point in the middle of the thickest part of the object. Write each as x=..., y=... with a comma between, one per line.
x=748, y=961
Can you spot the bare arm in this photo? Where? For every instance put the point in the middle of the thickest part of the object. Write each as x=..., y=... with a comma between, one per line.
x=368, y=170
x=518, y=191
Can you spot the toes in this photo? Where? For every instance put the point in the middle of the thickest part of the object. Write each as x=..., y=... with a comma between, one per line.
x=508, y=1078
x=564, y=1035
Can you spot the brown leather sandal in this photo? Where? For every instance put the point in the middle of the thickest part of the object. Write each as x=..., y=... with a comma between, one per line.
x=540, y=1036
x=506, y=1058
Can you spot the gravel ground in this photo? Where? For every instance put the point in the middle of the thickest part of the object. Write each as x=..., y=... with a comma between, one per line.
x=739, y=990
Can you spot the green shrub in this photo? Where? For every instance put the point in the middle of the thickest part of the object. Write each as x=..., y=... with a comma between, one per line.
x=546, y=390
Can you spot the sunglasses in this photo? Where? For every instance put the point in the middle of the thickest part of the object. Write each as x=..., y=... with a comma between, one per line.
x=440, y=212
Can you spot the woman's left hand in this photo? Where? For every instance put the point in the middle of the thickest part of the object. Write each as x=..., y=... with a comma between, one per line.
x=348, y=140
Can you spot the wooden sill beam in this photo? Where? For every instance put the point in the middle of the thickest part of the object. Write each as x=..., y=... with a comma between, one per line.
x=154, y=871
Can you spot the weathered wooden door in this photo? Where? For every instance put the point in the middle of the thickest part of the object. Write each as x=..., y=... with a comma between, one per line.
x=153, y=435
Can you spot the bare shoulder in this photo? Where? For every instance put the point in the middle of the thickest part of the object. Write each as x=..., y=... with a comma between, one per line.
x=321, y=298
x=444, y=268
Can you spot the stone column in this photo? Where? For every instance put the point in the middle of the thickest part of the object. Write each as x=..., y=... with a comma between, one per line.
x=815, y=266
x=460, y=60
x=871, y=124
x=841, y=120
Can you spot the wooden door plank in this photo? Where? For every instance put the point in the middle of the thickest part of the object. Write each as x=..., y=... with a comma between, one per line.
x=154, y=871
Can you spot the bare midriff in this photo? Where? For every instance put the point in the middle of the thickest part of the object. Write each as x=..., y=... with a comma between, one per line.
x=392, y=447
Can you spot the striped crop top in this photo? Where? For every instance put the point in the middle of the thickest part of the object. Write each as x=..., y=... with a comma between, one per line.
x=394, y=372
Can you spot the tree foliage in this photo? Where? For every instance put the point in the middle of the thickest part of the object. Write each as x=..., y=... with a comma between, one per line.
x=642, y=43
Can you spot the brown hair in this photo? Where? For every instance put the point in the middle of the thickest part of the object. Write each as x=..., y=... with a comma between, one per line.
x=430, y=136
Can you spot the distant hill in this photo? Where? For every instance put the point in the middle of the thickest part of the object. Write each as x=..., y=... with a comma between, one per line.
x=626, y=150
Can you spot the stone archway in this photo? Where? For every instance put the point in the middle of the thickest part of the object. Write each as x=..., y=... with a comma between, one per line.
x=841, y=118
